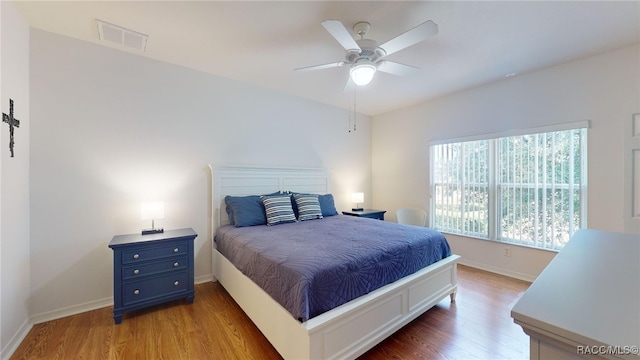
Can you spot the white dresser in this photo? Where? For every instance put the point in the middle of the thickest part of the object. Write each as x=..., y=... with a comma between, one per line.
x=586, y=302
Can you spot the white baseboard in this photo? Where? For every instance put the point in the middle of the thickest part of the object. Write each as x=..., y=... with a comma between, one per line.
x=71, y=310
x=16, y=340
x=91, y=305
x=497, y=270
x=204, y=278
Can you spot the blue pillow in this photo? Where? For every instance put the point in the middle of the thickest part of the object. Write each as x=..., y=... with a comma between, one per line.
x=327, y=205
x=229, y=209
x=245, y=210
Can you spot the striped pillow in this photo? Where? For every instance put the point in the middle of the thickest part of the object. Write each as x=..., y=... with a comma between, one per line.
x=278, y=209
x=308, y=206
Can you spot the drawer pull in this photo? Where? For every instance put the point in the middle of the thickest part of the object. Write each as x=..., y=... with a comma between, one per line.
x=136, y=272
x=135, y=256
x=176, y=283
x=175, y=250
x=136, y=292
x=175, y=264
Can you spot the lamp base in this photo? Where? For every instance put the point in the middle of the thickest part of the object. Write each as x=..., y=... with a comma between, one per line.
x=357, y=209
x=152, y=231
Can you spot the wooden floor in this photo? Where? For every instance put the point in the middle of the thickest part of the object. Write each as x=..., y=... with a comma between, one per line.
x=477, y=326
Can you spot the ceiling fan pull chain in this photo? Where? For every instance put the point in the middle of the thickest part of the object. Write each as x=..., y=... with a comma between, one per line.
x=349, y=127
x=355, y=113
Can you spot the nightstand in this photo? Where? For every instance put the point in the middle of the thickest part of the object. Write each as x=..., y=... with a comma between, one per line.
x=152, y=269
x=367, y=213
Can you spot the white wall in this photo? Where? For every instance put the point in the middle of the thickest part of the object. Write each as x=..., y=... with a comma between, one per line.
x=604, y=89
x=14, y=181
x=111, y=129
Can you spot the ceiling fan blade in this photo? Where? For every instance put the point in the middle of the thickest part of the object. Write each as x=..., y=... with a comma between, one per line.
x=411, y=37
x=395, y=68
x=340, y=33
x=320, y=67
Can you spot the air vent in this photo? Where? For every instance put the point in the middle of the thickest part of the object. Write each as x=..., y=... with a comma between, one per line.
x=121, y=36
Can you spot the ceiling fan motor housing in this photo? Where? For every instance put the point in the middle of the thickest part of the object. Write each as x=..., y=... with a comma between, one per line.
x=368, y=50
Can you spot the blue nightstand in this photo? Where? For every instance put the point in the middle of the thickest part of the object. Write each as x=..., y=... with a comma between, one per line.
x=367, y=213
x=152, y=269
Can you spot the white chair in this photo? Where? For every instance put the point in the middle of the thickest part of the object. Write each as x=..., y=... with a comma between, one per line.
x=411, y=216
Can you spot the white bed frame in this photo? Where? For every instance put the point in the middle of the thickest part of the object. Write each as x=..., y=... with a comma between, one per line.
x=346, y=331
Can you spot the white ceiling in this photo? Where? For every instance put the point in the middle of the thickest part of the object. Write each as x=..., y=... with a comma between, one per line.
x=261, y=42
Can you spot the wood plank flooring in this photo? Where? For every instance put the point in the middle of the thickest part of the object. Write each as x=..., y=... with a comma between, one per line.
x=477, y=326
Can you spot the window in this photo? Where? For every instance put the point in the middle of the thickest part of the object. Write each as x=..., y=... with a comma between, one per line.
x=525, y=189
x=460, y=190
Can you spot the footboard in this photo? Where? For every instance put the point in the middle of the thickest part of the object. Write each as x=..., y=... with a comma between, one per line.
x=346, y=331
x=352, y=329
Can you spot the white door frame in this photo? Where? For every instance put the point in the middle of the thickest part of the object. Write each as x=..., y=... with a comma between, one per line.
x=632, y=175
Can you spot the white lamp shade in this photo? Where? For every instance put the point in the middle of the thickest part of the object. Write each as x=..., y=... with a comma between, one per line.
x=362, y=74
x=152, y=210
x=357, y=198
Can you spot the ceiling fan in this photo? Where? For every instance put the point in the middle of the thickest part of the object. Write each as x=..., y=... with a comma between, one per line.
x=365, y=56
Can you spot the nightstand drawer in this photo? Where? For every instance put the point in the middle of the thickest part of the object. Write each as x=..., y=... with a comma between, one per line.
x=143, y=290
x=150, y=253
x=155, y=267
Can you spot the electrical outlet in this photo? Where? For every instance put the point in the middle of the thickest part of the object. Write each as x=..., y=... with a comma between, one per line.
x=507, y=251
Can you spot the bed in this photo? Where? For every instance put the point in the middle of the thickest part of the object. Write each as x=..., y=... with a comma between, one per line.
x=345, y=331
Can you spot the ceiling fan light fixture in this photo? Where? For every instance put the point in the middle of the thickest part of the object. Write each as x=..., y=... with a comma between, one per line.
x=362, y=73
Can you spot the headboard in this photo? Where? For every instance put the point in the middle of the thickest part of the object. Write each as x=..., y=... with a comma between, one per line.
x=253, y=180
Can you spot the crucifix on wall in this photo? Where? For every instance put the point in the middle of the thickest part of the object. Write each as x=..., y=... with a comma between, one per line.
x=13, y=122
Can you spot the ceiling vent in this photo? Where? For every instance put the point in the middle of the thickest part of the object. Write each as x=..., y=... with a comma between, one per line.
x=121, y=36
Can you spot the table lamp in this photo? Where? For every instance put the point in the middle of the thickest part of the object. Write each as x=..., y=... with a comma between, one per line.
x=357, y=198
x=152, y=211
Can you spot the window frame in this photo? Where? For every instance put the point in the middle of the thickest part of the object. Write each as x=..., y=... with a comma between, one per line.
x=493, y=186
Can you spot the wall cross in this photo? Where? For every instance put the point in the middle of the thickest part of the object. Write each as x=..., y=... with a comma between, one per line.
x=13, y=122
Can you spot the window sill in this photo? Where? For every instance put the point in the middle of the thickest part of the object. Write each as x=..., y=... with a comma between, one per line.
x=502, y=243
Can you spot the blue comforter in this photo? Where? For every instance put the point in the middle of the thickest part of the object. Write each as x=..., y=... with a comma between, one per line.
x=313, y=266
